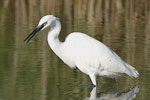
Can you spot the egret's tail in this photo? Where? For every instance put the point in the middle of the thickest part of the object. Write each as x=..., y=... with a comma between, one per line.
x=131, y=71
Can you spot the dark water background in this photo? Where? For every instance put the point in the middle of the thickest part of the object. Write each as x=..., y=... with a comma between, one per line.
x=33, y=72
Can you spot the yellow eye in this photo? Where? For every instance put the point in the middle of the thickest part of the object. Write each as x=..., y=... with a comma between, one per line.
x=44, y=23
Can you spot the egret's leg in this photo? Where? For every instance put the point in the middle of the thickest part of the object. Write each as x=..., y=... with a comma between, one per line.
x=116, y=83
x=93, y=78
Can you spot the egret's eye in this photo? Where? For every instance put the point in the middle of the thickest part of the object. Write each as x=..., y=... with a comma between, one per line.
x=44, y=23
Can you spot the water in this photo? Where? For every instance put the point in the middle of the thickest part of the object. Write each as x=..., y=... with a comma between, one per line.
x=33, y=72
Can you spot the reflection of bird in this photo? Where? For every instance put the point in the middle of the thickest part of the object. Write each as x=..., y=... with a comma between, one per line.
x=125, y=95
x=84, y=52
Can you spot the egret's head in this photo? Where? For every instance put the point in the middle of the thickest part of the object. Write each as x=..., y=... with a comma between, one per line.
x=48, y=20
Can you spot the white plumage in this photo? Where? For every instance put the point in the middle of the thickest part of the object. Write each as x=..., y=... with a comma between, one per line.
x=84, y=52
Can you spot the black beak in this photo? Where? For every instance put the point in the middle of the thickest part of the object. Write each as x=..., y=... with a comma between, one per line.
x=36, y=30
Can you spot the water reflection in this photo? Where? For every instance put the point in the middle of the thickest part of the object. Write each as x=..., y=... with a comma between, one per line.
x=128, y=94
x=33, y=72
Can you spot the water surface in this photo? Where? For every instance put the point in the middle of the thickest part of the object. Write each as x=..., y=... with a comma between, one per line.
x=33, y=72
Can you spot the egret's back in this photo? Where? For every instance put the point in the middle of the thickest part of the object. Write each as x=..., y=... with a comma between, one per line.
x=90, y=55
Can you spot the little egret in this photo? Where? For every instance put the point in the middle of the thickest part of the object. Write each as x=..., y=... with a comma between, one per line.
x=79, y=50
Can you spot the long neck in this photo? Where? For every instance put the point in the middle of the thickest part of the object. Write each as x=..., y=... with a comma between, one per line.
x=53, y=39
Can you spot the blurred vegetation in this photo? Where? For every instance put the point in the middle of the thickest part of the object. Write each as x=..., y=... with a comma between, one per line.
x=32, y=71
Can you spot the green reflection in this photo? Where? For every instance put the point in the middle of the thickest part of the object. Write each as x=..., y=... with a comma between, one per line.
x=33, y=71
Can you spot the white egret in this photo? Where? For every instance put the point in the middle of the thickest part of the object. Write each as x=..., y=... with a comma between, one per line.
x=84, y=52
